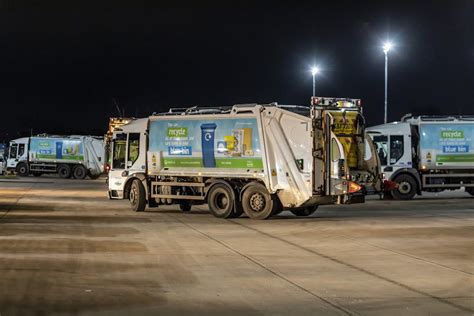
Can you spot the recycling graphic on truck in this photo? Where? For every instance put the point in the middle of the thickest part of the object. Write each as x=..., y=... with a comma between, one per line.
x=56, y=149
x=447, y=144
x=220, y=143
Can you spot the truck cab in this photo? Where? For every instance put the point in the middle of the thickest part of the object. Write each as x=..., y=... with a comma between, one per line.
x=128, y=147
x=17, y=159
x=393, y=143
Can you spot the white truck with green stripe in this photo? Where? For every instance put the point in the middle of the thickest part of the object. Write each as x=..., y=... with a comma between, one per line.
x=68, y=156
x=254, y=158
x=427, y=153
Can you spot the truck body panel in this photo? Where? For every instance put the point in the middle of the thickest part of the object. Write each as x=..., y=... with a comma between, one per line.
x=447, y=145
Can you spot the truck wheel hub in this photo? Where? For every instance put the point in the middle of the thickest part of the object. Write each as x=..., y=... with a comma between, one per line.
x=133, y=195
x=257, y=202
x=404, y=187
x=222, y=201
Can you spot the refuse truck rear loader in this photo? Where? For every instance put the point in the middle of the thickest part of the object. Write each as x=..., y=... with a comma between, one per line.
x=68, y=156
x=257, y=159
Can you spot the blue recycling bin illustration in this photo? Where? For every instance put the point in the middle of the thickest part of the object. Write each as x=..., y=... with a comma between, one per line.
x=207, y=141
x=59, y=150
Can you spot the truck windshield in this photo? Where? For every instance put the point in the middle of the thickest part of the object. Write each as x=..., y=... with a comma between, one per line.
x=381, y=145
x=119, y=149
x=13, y=149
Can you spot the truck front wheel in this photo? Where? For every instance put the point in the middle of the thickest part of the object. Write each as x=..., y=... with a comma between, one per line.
x=220, y=199
x=407, y=187
x=137, y=196
x=22, y=169
x=64, y=171
x=257, y=202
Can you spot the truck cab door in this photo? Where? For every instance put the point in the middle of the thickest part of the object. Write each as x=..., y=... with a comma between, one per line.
x=118, y=163
x=12, y=159
x=127, y=157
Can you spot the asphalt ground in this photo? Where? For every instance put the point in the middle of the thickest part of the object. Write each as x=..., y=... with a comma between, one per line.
x=65, y=249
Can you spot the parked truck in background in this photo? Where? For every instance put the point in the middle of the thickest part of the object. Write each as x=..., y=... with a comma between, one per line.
x=67, y=156
x=427, y=153
x=254, y=158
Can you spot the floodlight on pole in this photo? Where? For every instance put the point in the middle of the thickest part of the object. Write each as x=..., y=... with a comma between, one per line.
x=386, y=48
x=314, y=71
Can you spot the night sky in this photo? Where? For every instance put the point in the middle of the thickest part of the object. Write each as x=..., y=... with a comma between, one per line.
x=63, y=62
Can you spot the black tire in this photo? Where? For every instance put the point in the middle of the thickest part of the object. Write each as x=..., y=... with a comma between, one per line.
x=407, y=187
x=22, y=169
x=37, y=173
x=220, y=199
x=470, y=190
x=307, y=211
x=137, y=196
x=64, y=171
x=257, y=202
x=79, y=172
x=185, y=206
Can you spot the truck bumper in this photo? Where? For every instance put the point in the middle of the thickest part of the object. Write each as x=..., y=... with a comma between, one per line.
x=115, y=194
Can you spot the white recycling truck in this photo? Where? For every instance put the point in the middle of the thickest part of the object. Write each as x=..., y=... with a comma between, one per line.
x=252, y=158
x=68, y=156
x=427, y=153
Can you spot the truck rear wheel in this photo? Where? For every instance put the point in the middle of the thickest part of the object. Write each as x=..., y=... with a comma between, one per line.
x=407, y=187
x=137, y=196
x=79, y=172
x=64, y=171
x=307, y=211
x=22, y=169
x=257, y=202
x=220, y=199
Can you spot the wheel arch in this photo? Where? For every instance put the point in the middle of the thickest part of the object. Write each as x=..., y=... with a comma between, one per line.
x=411, y=172
x=128, y=185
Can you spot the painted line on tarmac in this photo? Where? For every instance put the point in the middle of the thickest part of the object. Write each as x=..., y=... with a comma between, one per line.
x=16, y=202
x=261, y=265
x=373, y=274
x=24, y=181
x=402, y=253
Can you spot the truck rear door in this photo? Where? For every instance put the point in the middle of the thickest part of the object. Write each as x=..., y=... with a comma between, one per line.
x=330, y=163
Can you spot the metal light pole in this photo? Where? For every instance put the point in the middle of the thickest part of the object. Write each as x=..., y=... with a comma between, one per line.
x=386, y=48
x=314, y=72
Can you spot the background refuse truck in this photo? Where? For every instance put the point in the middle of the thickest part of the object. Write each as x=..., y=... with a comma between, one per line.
x=257, y=159
x=76, y=156
x=427, y=153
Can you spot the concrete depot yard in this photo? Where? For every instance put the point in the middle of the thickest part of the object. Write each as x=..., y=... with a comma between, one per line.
x=66, y=249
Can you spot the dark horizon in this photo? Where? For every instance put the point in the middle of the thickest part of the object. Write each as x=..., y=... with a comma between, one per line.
x=64, y=64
